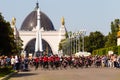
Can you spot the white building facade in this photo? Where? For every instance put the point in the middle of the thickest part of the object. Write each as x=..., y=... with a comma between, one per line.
x=50, y=37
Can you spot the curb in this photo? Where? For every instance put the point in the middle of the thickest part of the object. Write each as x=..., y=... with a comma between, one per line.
x=8, y=76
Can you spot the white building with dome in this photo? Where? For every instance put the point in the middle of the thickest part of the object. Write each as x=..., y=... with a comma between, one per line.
x=50, y=36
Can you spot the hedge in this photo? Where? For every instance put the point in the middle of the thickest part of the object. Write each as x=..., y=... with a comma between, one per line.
x=104, y=51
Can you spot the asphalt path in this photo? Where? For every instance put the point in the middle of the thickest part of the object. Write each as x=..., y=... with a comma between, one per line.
x=69, y=74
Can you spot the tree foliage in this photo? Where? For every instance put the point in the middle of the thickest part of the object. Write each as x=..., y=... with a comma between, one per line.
x=95, y=41
x=8, y=45
x=112, y=36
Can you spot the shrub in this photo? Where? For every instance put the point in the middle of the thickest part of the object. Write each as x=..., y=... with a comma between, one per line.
x=104, y=51
x=5, y=70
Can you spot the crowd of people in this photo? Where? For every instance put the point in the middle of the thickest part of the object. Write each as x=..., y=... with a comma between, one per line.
x=55, y=62
x=16, y=62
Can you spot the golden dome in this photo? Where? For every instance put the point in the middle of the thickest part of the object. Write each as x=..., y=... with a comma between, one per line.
x=118, y=34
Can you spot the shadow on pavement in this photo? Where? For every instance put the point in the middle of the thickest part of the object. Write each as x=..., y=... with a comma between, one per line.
x=23, y=74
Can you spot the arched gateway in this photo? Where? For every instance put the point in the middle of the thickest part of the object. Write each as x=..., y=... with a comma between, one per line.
x=50, y=36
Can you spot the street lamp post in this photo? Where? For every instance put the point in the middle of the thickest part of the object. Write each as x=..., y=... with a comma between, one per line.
x=77, y=35
x=79, y=42
x=74, y=37
x=70, y=40
x=83, y=35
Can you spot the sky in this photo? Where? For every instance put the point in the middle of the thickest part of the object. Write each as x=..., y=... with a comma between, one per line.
x=89, y=15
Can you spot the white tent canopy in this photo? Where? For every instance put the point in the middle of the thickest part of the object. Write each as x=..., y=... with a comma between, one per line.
x=83, y=54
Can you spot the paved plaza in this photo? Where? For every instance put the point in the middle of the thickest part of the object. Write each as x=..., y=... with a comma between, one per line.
x=69, y=74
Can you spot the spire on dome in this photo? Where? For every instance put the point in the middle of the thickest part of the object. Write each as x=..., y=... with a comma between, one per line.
x=37, y=5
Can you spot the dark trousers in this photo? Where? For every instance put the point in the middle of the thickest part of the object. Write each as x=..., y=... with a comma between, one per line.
x=17, y=66
x=36, y=65
x=45, y=64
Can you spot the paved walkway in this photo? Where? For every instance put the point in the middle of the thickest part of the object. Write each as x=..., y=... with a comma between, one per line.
x=69, y=74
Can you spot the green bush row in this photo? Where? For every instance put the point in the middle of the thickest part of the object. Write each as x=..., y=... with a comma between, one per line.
x=104, y=51
x=5, y=70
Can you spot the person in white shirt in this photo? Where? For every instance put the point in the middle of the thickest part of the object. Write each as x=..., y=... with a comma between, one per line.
x=12, y=62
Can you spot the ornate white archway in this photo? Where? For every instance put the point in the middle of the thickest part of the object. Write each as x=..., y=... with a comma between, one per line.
x=51, y=37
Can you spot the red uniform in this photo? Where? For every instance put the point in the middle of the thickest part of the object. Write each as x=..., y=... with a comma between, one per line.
x=45, y=62
x=57, y=59
x=51, y=59
x=37, y=60
x=45, y=59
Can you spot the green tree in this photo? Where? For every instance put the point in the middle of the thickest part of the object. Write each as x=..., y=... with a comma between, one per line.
x=64, y=45
x=61, y=43
x=7, y=44
x=112, y=36
x=95, y=41
x=19, y=45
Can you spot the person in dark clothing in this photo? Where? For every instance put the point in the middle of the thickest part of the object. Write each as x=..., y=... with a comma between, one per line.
x=26, y=63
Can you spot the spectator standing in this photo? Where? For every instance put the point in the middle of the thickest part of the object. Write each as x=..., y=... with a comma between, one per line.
x=26, y=63
x=13, y=62
x=16, y=63
x=8, y=61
